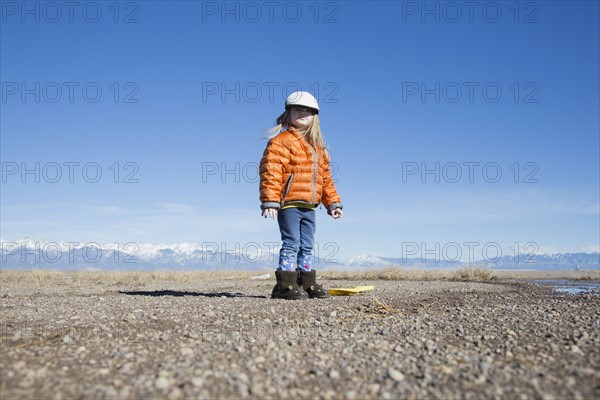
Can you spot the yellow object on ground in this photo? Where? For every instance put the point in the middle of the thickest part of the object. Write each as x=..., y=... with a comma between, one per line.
x=350, y=291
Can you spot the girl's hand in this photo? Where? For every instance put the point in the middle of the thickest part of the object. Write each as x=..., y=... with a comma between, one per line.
x=337, y=213
x=269, y=212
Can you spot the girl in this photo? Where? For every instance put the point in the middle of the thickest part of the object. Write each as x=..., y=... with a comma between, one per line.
x=295, y=178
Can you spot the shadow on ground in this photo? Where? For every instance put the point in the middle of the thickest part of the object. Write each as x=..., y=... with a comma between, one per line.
x=178, y=293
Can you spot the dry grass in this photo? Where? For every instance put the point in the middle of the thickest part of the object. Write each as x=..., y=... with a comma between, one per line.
x=472, y=273
x=585, y=277
x=386, y=274
x=399, y=274
x=75, y=278
x=557, y=274
x=40, y=278
x=475, y=273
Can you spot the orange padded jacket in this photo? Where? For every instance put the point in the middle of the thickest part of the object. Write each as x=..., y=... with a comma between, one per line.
x=291, y=170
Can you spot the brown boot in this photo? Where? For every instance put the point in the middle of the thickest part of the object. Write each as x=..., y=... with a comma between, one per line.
x=308, y=281
x=287, y=286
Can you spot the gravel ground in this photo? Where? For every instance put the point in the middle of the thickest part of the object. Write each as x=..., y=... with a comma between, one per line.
x=227, y=339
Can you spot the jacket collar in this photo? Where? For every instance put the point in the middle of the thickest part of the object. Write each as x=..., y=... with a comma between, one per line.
x=293, y=130
x=296, y=133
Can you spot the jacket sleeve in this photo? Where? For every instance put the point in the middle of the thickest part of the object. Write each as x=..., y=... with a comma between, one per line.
x=271, y=170
x=331, y=198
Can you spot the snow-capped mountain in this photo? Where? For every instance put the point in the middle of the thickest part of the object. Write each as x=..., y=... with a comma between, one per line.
x=30, y=253
x=34, y=253
x=367, y=260
x=546, y=261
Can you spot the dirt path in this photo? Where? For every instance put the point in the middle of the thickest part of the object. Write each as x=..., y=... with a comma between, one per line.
x=227, y=339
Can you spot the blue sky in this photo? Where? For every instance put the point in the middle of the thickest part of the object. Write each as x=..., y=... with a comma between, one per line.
x=187, y=89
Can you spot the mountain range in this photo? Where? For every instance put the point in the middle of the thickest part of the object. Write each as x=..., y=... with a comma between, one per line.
x=30, y=253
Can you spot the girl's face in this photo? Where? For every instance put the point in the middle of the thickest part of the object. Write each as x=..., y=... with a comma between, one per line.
x=301, y=117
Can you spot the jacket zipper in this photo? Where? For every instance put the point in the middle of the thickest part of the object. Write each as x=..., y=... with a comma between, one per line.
x=288, y=184
x=315, y=166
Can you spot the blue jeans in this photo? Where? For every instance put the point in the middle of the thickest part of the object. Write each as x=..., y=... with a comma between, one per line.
x=297, y=227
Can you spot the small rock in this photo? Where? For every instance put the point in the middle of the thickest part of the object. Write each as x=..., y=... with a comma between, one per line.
x=26, y=383
x=374, y=388
x=19, y=365
x=197, y=381
x=333, y=374
x=395, y=375
x=430, y=345
x=257, y=391
x=446, y=369
x=67, y=339
x=175, y=394
x=242, y=389
x=242, y=377
x=126, y=368
x=162, y=383
x=187, y=352
x=191, y=335
x=575, y=349
x=484, y=367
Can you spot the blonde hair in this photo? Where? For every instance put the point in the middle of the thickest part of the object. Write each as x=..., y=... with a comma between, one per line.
x=312, y=134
